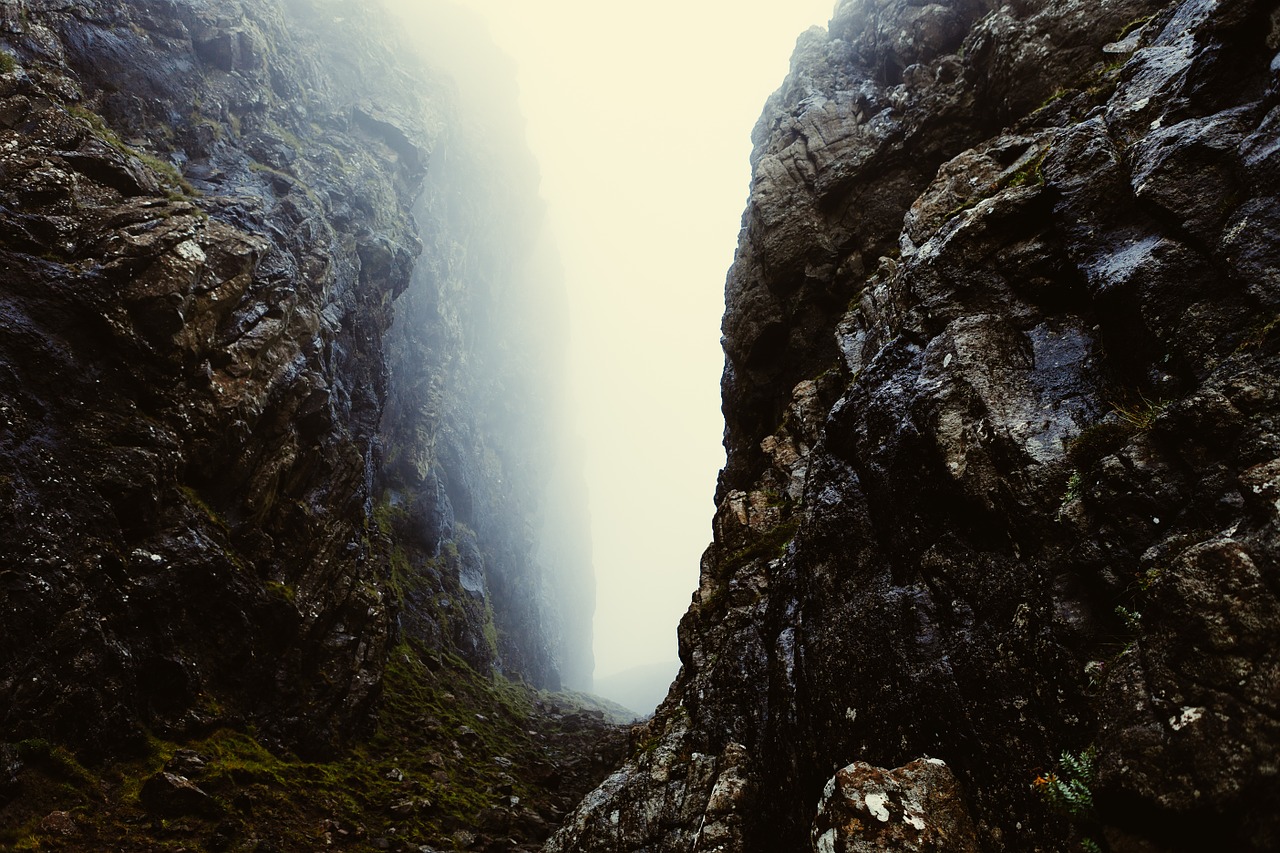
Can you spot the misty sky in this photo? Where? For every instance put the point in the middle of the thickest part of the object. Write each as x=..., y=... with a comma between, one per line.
x=640, y=116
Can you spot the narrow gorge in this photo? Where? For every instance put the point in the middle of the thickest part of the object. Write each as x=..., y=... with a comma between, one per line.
x=295, y=549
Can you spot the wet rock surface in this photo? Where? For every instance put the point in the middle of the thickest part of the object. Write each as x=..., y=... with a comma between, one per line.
x=1000, y=403
x=201, y=249
x=282, y=509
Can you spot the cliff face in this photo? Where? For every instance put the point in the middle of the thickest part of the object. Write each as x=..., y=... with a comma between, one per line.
x=206, y=223
x=998, y=536
x=208, y=215
x=488, y=518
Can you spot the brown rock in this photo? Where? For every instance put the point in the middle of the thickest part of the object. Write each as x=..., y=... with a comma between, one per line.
x=917, y=808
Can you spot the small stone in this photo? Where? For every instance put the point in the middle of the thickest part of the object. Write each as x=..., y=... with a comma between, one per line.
x=187, y=763
x=59, y=823
x=170, y=795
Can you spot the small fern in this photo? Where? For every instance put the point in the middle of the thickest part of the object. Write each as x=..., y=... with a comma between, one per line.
x=1132, y=619
x=1068, y=790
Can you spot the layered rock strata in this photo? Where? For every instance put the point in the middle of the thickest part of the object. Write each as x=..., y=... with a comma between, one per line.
x=1000, y=397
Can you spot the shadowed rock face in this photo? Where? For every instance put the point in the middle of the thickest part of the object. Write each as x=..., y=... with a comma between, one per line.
x=206, y=218
x=192, y=370
x=1000, y=398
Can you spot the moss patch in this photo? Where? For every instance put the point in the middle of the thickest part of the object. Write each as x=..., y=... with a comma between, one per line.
x=453, y=750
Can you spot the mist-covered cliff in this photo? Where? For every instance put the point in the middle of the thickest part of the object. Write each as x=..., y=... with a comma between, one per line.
x=289, y=513
x=481, y=481
x=996, y=550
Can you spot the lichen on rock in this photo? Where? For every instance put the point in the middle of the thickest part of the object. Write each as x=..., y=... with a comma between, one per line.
x=1029, y=510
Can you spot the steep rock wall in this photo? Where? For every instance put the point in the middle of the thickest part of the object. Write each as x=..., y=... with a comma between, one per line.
x=479, y=477
x=1000, y=505
x=208, y=216
x=207, y=220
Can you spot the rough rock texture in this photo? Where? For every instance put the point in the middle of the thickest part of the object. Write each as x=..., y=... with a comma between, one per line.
x=914, y=809
x=206, y=217
x=202, y=241
x=1001, y=401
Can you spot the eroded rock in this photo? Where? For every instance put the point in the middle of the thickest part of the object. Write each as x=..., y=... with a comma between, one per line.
x=914, y=808
x=1022, y=254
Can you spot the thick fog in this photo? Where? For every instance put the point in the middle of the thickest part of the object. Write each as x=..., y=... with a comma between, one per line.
x=639, y=117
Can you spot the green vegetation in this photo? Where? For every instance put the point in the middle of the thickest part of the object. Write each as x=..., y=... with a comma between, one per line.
x=1073, y=493
x=7, y=63
x=1258, y=334
x=449, y=745
x=1100, y=440
x=1068, y=789
x=1141, y=413
x=282, y=590
x=1030, y=175
x=1097, y=441
x=1132, y=619
x=1133, y=25
x=168, y=173
x=193, y=497
x=1057, y=95
x=769, y=544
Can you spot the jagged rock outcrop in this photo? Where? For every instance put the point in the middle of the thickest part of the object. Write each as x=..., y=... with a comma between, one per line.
x=207, y=213
x=204, y=233
x=1000, y=398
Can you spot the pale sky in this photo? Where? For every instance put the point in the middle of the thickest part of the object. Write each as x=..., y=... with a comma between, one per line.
x=640, y=117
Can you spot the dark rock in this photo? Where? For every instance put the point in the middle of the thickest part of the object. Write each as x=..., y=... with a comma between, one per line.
x=1000, y=446
x=168, y=795
x=60, y=824
x=187, y=763
x=239, y=381
x=10, y=769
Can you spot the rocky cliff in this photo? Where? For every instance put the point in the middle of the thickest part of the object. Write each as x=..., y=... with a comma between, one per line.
x=280, y=461
x=995, y=556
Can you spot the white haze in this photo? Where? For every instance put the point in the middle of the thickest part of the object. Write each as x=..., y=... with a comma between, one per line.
x=640, y=117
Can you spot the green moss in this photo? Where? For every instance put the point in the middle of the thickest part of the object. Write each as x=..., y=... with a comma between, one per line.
x=1030, y=174
x=490, y=628
x=204, y=121
x=386, y=517
x=282, y=590
x=1129, y=28
x=7, y=63
x=58, y=762
x=769, y=544
x=1057, y=95
x=1099, y=440
x=168, y=172
x=193, y=497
